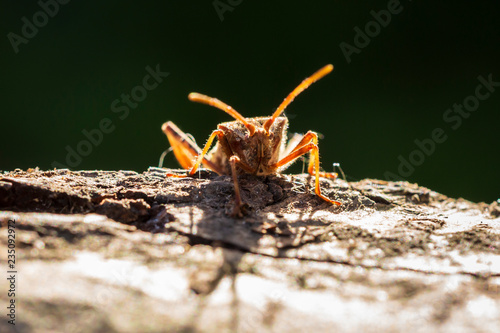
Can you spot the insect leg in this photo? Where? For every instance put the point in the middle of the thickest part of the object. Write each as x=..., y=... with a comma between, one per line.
x=311, y=169
x=311, y=137
x=201, y=156
x=237, y=196
x=185, y=149
x=292, y=143
x=308, y=144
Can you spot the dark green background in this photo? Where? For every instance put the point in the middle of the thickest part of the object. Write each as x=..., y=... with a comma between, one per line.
x=370, y=111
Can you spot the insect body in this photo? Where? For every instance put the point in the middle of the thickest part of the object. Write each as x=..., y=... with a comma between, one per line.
x=248, y=145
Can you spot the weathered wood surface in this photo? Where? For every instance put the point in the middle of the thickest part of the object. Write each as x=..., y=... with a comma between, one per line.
x=121, y=251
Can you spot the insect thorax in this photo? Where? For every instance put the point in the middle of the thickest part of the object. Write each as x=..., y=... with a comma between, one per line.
x=258, y=152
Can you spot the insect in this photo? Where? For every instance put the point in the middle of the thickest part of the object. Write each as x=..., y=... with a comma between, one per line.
x=249, y=145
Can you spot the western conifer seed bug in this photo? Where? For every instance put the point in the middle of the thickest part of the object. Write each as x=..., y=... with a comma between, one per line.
x=248, y=145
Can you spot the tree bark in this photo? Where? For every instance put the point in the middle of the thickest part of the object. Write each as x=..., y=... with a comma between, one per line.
x=120, y=251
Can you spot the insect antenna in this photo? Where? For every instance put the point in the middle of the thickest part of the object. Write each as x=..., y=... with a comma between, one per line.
x=195, y=97
x=341, y=171
x=343, y=175
x=162, y=156
x=300, y=88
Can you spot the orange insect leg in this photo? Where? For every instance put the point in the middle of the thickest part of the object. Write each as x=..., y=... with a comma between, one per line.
x=237, y=196
x=309, y=144
x=185, y=150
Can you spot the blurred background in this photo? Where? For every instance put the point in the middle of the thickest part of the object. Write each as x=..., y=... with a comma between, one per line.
x=68, y=67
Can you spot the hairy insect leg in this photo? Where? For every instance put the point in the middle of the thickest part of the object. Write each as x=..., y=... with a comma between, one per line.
x=238, y=203
x=185, y=150
x=309, y=144
x=200, y=157
x=308, y=138
x=311, y=168
x=292, y=143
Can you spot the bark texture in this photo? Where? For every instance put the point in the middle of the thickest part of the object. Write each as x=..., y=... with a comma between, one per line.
x=120, y=251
